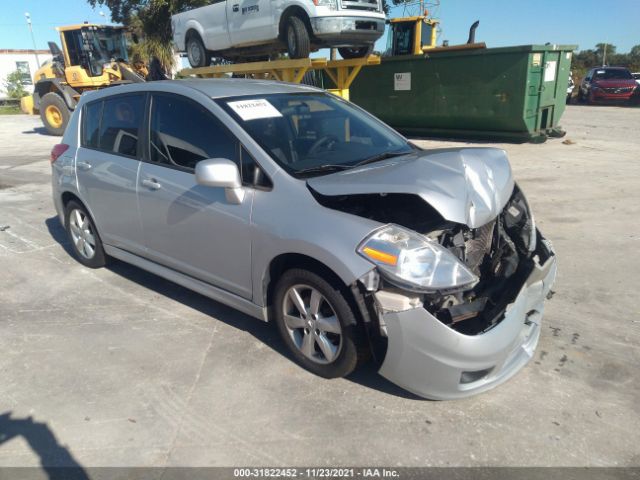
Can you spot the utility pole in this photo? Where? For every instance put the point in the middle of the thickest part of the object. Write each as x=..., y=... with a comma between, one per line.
x=604, y=56
x=27, y=15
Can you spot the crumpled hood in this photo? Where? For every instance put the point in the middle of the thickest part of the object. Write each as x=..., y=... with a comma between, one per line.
x=466, y=185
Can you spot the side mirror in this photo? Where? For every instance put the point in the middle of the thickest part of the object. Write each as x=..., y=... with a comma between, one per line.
x=220, y=172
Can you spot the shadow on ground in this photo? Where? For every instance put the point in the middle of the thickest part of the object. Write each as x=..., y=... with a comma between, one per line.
x=37, y=131
x=56, y=460
x=366, y=375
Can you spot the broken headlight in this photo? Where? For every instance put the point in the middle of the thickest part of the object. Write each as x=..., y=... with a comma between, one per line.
x=412, y=261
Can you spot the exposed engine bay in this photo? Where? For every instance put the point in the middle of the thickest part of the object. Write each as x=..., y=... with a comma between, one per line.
x=499, y=252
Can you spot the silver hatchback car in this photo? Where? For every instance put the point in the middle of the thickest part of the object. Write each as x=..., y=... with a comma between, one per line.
x=297, y=207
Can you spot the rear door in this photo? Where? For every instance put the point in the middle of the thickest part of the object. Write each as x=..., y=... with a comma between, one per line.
x=251, y=21
x=189, y=227
x=107, y=167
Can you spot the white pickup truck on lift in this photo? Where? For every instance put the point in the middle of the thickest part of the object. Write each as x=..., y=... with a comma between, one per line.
x=240, y=30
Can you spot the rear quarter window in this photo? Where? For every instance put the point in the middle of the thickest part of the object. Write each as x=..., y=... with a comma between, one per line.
x=113, y=125
x=91, y=124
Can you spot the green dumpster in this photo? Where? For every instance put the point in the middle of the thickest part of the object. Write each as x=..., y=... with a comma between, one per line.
x=515, y=93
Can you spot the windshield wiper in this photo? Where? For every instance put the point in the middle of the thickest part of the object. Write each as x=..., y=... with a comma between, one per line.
x=379, y=157
x=322, y=169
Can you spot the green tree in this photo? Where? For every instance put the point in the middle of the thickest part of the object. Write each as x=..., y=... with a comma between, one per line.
x=13, y=85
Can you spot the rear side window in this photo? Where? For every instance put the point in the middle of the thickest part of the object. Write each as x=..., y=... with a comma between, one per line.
x=183, y=132
x=91, y=124
x=121, y=124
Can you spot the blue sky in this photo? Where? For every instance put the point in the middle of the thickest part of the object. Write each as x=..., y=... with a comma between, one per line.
x=502, y=22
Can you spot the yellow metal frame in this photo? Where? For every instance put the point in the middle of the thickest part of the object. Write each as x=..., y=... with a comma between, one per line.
x=341, y=72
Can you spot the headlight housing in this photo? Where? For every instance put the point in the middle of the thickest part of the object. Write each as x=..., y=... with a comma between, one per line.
x=412, y=261
x=332, y=4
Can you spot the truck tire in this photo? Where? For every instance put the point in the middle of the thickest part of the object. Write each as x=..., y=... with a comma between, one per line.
x=196, y=53
x=297, y=36
x=355, y=52
x=54, y=113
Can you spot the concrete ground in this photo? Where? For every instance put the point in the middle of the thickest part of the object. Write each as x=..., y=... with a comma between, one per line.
x=117, y=367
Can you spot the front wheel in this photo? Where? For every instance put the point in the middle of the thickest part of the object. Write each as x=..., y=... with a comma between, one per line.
x=54, y=113
x=298, y=41
x=355, y=52
x=317, y=324
x=196, y=53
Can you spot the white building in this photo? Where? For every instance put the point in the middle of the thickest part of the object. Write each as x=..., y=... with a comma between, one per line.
x=22, y=60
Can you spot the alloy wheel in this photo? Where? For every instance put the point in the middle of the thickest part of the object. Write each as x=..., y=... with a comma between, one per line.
x=82, y=234
x=312, y=324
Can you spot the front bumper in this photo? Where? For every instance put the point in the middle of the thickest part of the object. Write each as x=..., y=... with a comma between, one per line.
x=603, y=95
x=426, y=357
x=347, y=31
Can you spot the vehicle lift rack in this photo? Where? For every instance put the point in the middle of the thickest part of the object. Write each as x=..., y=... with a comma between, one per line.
x=341, y=72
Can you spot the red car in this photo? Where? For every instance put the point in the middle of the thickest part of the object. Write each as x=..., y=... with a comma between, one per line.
x=607, y=83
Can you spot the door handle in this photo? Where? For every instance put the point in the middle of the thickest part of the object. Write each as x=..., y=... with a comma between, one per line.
x=151, y=183
x=236, y=7
x=84, y=165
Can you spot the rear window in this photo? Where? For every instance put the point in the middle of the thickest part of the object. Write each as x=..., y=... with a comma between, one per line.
x=114, y=124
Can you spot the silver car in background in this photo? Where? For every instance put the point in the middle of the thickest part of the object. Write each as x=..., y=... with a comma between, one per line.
x=297, y=207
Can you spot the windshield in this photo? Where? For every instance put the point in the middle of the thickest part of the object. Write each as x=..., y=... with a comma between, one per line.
x=311, y=134
x=612, y=74
x=104, y=44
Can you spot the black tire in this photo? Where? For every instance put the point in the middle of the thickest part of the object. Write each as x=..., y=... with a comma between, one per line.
x=297, y=38
x=52, y=102
x=196, y=53
x=99, y=258
x=353, y=348
x=355, y=52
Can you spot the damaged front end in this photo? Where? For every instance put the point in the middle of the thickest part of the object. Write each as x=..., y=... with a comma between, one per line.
x=472, y=329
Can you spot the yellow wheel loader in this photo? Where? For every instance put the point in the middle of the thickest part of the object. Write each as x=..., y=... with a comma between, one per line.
x=92, y=57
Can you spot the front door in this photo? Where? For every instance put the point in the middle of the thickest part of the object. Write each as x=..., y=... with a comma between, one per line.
x=107, y=167
x=251, y=22
x=213, y=18
x=189, y=227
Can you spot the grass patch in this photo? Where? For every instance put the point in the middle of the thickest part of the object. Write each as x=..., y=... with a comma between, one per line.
x=10, y=110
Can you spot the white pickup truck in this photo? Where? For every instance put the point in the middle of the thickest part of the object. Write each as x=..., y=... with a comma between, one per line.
x=239, y=30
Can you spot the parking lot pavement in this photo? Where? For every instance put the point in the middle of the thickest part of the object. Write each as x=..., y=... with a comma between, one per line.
x=124, y=368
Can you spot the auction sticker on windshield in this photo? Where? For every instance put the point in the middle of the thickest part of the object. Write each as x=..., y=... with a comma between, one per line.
x=254, y=109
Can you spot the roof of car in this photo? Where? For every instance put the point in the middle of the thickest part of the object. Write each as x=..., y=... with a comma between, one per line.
x=233, y=87
x=211, y=87
x=610, y=68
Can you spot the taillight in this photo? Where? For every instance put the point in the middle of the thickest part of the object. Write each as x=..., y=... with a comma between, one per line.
x=58, y=150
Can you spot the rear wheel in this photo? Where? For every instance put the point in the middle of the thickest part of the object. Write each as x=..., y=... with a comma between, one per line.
x=54, y=113
x=196, y=53
x=298, y=41
x=85, y=241
x=317, y=324
x=355, y=52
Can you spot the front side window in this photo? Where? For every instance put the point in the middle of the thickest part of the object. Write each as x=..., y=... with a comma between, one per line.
x=183, y=132
x=121, y=124
x=400, y=40
x=304, y=133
